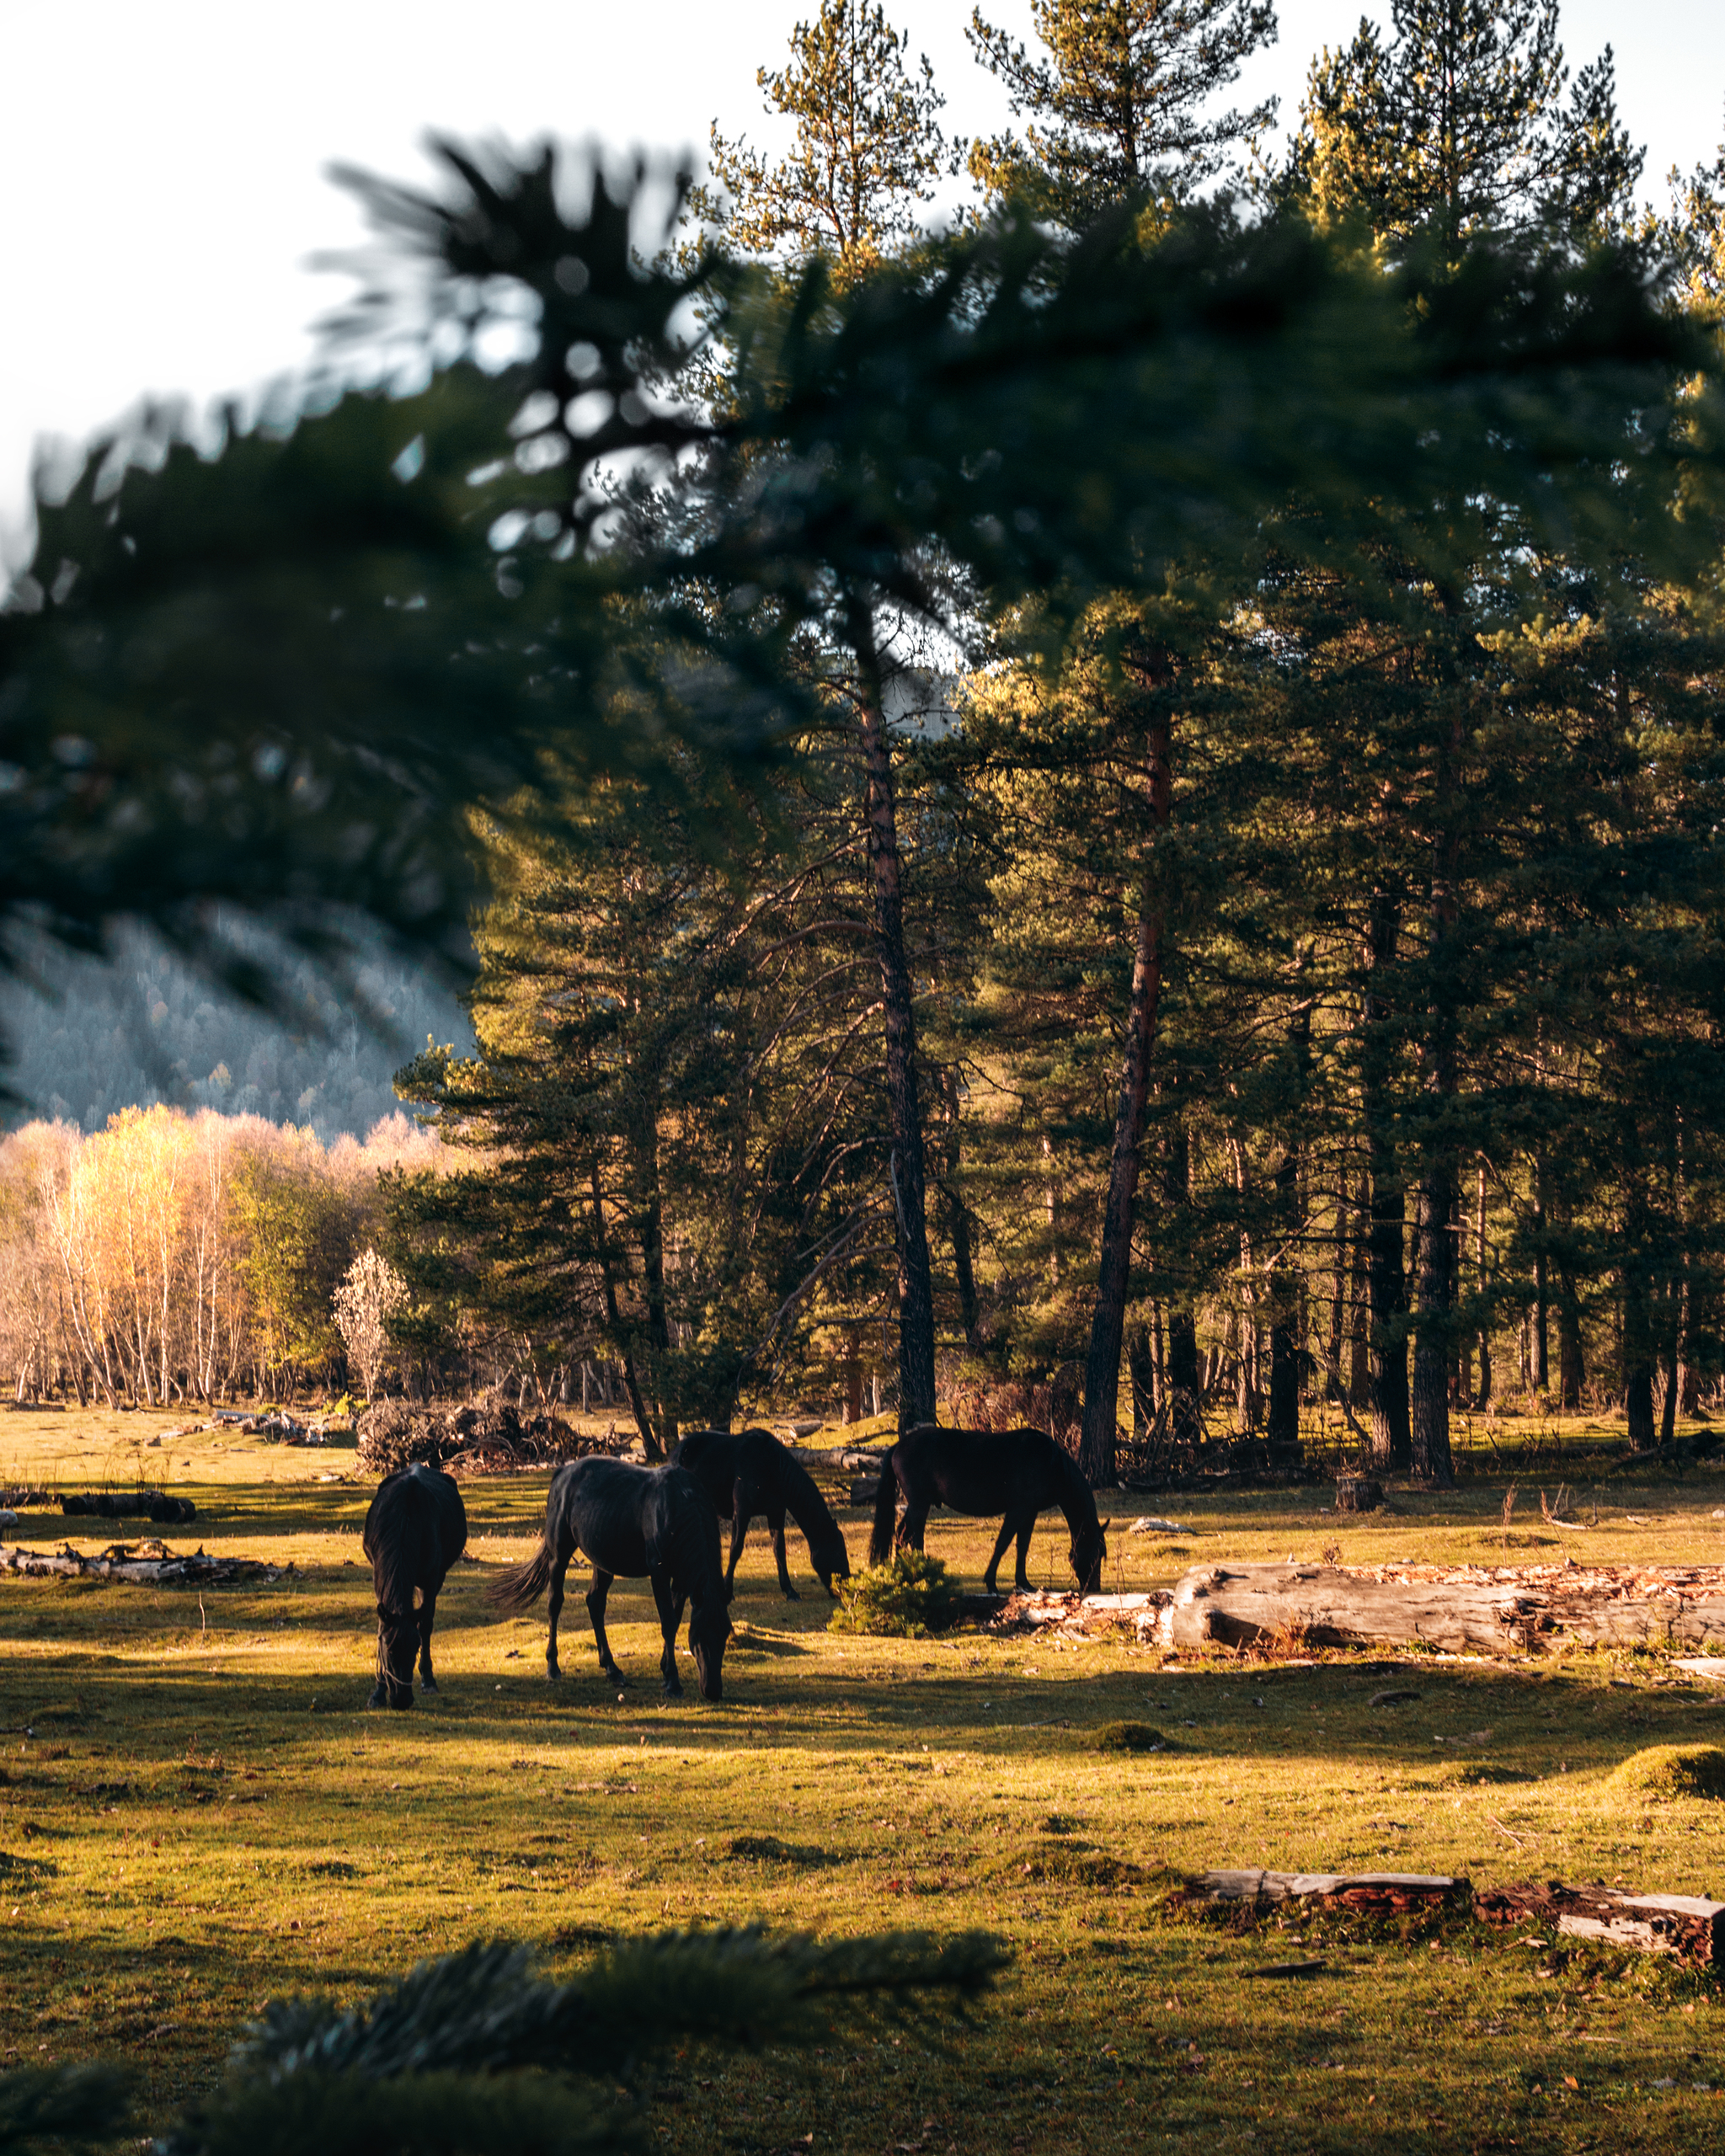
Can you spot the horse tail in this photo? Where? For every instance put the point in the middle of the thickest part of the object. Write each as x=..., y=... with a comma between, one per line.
x=521, y=1586
x=886, y=1511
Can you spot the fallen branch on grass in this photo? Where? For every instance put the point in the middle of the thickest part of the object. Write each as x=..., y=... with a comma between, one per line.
x=144, y=1564
x=1392, y=1892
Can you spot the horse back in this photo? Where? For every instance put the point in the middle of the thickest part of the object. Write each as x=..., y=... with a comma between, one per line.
x=984, y=1471
x=416, y=1526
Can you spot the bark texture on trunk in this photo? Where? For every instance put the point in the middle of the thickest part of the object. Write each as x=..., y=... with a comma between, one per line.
x=1386, y=1280
x=1435, y=1287
x=1102, y=1368
x=1436, y=1224
x=1282, y=1423
x=906, y=1175
x=1185, y=1371
x=1571, y=1374
x=1464, y=1610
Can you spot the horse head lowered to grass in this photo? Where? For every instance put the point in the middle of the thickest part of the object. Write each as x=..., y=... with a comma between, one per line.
x=749, y=1472
x=656, y=1523
x=1017, y=1473
x=415, y=1529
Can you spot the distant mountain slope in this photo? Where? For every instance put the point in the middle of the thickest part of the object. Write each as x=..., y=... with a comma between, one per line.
x=141, y=1029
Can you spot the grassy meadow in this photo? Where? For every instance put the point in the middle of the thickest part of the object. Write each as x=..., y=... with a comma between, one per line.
x=196, y=1814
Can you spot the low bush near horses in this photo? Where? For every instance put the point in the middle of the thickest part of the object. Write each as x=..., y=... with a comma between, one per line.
x=908, y=1598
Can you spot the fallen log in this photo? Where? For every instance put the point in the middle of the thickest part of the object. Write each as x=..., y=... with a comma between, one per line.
x=1388, y=1892
x=128, y=1504
x=1684, y=1925
x=1467, y=1608
x=147, y=1564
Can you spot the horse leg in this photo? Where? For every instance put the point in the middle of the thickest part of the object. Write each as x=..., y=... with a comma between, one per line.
x=739, y=1530
x=670, y=1615
x=595, y=1610
x=428, y=1612
x=776, y=1521
x=559, y=1572
x=999, y=1551
x=911, y=1527
x=1026, y=1526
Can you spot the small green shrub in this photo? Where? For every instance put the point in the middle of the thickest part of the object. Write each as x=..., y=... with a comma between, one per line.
x=1129, y=1737
x=1665, y=1771
x=906, y=1599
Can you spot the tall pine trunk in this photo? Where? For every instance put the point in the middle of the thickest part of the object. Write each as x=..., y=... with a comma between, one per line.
x=1281, y=1424
x=1386, y=1280
x=1185, y=1374
x=1435, y=1226
x=1102, y=1368
x=1637, y=1318
x=906, y=1178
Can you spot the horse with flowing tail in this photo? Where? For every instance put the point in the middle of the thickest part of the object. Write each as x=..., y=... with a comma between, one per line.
x=415, y=1529
x=1018, y=1473
x=651, y=1523
x=749, y=1472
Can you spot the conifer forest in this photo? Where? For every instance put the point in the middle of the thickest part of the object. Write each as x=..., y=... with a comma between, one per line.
x=1067, y=785
x=1114, y=797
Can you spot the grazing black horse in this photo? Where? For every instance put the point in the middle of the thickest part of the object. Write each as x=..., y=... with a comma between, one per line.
x=416, y=1529
x=652, y=1522
x=1016, y=1472
x=749, y=1472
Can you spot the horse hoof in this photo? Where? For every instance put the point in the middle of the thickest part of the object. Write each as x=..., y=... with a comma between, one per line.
x=428, y=1683
x=552, y=1673
x=379, y=1698
x=673, y=1691
x=792, y=1595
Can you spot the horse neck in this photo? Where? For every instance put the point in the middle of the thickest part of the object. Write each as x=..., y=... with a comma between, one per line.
x=695, y=1566
x=1076, y=1498
x=802, y=1497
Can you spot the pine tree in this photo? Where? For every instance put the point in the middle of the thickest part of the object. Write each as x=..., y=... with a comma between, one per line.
x=867, y=155
x=1120, y=108
x=1459, y=127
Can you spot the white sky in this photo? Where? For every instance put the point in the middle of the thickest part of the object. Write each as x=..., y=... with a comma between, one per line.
x=161, y=164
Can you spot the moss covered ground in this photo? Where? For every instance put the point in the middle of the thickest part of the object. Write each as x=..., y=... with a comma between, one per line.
x=201, y=1816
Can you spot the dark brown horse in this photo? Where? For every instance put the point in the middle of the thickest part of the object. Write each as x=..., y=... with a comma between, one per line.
x=652, y=1523
x=1018, y=1473
x=415, y=1529
x=749, y=1472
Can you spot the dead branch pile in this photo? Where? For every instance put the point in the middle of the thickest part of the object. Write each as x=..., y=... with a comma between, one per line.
x=1074, y=1616
x=492, y=1438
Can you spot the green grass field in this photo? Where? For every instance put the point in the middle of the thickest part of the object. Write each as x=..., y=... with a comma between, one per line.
x=205, y=1818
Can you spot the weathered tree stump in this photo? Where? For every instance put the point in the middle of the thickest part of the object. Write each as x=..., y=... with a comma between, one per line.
x=1359, y=1493
x=1681, y=1925
x=1465, y=1609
